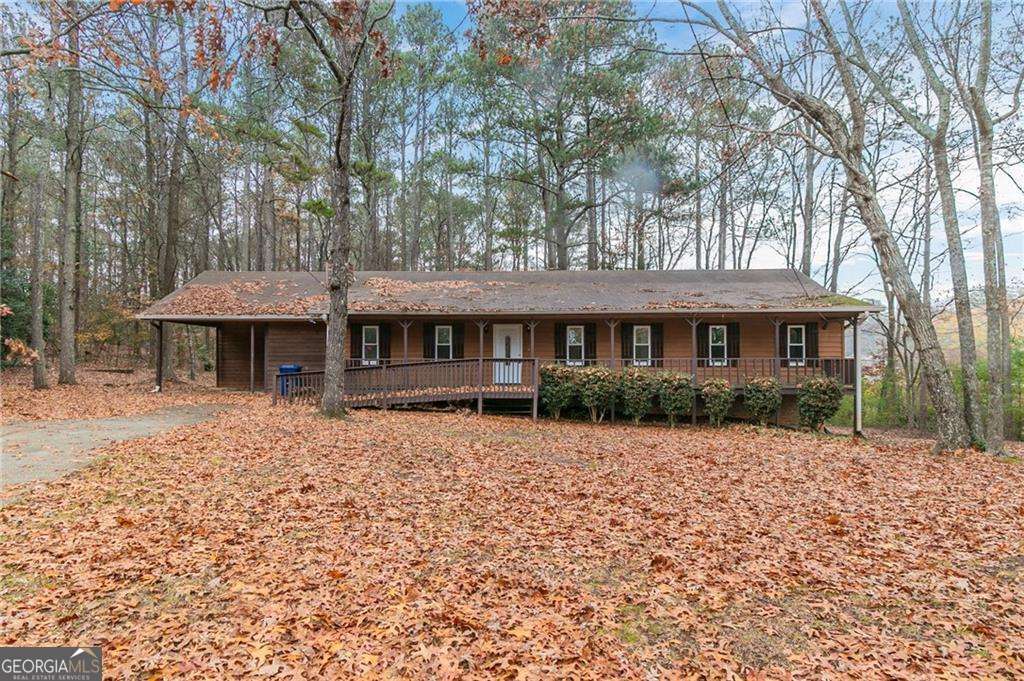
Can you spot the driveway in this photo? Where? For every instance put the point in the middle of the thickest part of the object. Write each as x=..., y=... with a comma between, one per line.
x=44, y=450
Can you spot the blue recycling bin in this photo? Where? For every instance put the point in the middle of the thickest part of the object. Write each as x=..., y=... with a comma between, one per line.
x=284, y=370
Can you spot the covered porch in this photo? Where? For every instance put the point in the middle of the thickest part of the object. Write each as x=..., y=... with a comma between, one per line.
x=398, y=361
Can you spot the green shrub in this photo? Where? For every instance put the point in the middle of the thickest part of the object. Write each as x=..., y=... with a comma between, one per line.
x=763, y=397
x=718, y=399
x=818, y=400
x=557, y=388
x=636, y=389
x=675, y=394
x=596, y=387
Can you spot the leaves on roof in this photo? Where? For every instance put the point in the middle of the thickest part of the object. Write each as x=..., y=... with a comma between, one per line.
x=241, y=298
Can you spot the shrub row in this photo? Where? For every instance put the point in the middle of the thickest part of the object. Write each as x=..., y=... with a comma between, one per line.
x=636, y=391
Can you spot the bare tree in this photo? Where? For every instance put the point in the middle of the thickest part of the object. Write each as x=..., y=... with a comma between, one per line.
x=846, y=142
x=70, y=208
x=936, y=136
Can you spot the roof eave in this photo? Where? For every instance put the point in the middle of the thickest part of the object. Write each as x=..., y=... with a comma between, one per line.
x=313, y=317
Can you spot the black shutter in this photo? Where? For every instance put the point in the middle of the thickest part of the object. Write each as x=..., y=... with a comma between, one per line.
x=658, y=343
x=356, y=331
x=428, y=341
x=384, y=339
x=590, y=342
x=703, y=341
x=812, y=340
x=459, y=340
x=732, y=330
x=626, y=331
x=560, y=341
x=784, y=344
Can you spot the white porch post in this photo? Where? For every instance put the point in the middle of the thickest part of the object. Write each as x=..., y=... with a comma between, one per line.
x=858, y=401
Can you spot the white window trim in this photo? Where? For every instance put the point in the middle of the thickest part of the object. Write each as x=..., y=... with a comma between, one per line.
x=363, y=344
x=796, y=362
x=642, y=361
x=450, y=344
x=582, y=346
x=724, y=360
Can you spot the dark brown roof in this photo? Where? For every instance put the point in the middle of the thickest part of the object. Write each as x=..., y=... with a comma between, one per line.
x=301, y=295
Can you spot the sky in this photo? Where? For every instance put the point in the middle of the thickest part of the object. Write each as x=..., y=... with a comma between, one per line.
x=860, y=266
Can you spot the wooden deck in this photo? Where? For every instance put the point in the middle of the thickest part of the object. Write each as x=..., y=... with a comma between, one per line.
x=387, y=383
x=384, y=384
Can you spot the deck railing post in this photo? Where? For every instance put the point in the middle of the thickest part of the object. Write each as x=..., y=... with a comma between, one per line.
x=480, y=369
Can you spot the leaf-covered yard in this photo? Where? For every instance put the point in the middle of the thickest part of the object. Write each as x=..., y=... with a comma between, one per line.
x=273, y=542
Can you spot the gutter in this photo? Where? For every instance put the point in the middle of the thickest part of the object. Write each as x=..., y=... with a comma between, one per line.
x=675, y=312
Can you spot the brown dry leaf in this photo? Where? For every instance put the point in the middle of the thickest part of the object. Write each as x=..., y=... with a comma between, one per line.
x=272, y=541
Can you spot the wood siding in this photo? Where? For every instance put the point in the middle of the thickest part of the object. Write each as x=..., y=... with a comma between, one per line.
x=233, y=355
x=303, y=343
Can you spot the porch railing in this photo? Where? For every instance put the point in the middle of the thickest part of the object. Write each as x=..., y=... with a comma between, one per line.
x=395, y=381
x=418, y=380
x=790, y=372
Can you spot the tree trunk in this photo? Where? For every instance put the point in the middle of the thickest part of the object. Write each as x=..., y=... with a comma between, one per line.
x=808, y=206
x=698, y=217
x=9, y=179
x=961, y=292
x=990, y=236
x=592, y=255
x=339, y=270
x=39, y=377
x=837, y=245
x=69, y=208
x=722, y=220
x=952, y=426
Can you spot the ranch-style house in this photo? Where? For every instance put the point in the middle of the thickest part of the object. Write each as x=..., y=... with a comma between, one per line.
x=416, y=337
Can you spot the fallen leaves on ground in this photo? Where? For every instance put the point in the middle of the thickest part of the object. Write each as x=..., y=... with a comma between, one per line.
x=101, y=394
x=272, y=542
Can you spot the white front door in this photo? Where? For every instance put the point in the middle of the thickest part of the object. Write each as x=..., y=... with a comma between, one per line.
x=508, y=344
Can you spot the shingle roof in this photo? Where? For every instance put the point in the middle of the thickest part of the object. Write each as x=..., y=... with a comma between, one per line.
x=301, y=295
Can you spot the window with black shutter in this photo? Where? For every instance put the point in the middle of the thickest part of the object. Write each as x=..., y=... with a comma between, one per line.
x=575, y=344
x=796, y=344
x=642, y=345
x=718, y=345
x=443, y=341
x=370, y=335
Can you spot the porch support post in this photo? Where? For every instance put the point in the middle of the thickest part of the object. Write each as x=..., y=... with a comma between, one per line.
x=405, y=339
x=776, y=364
x=858, y=401
x=252, y=357
x=693, y=365
x=612, y=323
x=533, y=346
x=480, y=354
x=159, y=357
x=776, y=360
